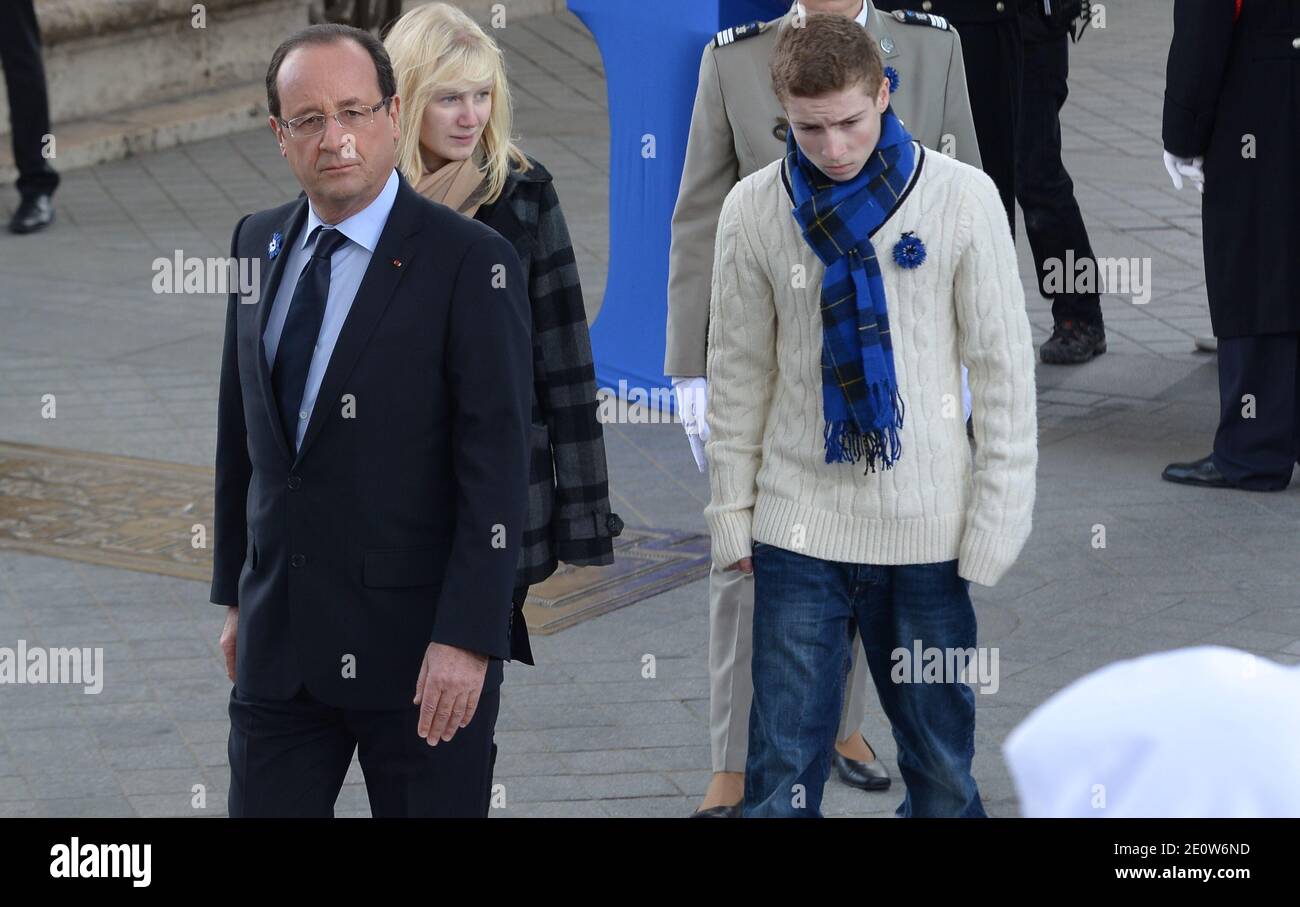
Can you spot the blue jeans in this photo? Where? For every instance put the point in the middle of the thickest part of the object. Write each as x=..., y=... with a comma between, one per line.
x=804, y=610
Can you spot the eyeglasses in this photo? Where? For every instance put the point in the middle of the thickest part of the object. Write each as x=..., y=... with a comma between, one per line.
x=348, y=118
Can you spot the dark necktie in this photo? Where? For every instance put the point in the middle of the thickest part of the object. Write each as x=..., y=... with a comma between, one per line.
x=301, y=327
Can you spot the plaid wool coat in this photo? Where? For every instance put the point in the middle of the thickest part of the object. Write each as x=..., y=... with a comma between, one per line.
x=569, y=516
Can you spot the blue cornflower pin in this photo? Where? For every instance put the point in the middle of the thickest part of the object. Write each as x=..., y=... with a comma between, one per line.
x=892, y=75
x=273, y=247
x=909, y=252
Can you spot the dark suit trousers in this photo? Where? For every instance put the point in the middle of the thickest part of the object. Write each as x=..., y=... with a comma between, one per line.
x=1258, y=453
x=29, y=106
x=288, y=758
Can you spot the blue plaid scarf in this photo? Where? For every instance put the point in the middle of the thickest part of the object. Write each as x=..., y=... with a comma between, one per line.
x=860, y=398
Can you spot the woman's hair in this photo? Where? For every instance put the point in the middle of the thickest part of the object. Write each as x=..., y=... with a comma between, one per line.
x=822, y=54
x=434, y=48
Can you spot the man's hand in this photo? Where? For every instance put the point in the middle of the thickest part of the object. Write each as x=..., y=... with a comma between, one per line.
x=744, y=565
x=228, y=633
x=691, y=394
x=1190, y=167
x=448, y=690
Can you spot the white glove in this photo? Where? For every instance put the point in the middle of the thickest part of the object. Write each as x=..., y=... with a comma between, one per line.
x=1190, y=167
x=692, y=394
x=697, y=451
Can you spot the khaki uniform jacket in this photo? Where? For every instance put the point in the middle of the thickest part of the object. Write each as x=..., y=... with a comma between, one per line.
x=738, y=127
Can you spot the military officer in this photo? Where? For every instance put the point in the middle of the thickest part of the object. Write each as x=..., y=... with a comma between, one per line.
x=990, y=40
x=1232, y=102
x=738, y=127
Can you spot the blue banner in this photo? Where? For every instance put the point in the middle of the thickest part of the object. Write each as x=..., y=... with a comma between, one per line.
x=651, y=52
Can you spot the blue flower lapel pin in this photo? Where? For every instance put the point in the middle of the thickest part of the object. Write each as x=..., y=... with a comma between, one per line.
x=892, y=75
x=273, y=247
x=909, y=252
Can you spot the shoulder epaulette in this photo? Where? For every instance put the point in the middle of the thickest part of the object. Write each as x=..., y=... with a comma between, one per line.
x=912, y=17
x=739, y=33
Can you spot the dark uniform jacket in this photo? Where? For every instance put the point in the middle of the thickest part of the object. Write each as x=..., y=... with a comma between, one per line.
x=1232, y=94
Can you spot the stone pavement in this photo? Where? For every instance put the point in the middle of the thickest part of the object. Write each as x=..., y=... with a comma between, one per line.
x=582, y=734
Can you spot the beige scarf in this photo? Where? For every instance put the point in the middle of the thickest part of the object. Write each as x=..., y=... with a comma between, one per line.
x=455, y=185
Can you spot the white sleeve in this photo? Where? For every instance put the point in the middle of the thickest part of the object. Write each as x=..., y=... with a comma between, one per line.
x=997, y=348
x=741, y=375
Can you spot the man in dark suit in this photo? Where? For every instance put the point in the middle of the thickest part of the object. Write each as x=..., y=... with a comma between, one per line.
x=372, y=464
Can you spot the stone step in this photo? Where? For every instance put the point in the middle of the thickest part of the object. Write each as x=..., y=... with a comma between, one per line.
x=153, y=127
x=200, y=84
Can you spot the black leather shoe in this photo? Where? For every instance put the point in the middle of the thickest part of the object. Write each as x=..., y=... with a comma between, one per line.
x=1202, y=472
x=36, y=212
x=1073, y=342
x=718, y=812
x=865, y=775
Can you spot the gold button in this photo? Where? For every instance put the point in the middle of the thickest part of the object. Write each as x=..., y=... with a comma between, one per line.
x=927, y=6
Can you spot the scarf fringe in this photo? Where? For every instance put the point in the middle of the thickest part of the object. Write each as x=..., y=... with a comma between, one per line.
x=846, y=443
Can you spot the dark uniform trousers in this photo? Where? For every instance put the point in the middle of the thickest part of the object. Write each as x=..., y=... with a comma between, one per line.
x=994, y=60
x=29, y=106
x=288, y=758
x=1258, y=453
x=1233, y=71
x=1044, y=189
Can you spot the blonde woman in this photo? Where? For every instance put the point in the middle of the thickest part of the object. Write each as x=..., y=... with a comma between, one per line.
x=455, y=148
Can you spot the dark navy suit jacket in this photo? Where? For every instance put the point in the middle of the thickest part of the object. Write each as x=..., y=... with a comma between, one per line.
x=398, y=521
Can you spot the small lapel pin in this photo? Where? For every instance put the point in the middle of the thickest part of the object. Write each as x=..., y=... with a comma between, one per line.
x=397, y=262
x=273, y=247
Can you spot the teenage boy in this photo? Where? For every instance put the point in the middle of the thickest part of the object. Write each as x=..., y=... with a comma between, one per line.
x=851, y=281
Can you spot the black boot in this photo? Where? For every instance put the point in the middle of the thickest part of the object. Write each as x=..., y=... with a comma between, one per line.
x=1074, y=341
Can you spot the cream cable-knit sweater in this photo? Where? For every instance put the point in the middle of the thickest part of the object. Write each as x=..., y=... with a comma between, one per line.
x=769, y=478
